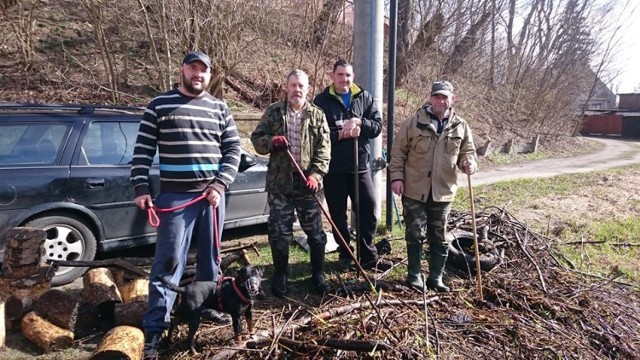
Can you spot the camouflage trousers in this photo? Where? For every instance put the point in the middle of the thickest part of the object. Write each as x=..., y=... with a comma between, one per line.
x=281, y=219
x=426, y=220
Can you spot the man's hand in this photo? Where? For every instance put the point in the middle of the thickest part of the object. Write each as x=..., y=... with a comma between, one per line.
x=213, y=196
x=469, y=167
x=312, y=184
x=397, y=186
x=351, y=129
x=279, y=143
x=144, y=202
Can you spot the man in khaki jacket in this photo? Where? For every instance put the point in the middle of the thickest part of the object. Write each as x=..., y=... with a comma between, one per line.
x=428, y=149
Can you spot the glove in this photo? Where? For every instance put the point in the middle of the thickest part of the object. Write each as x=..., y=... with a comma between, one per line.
x=279, y=143
x=312, y=184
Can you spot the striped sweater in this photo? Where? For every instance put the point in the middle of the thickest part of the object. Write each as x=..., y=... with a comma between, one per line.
x=197, y=141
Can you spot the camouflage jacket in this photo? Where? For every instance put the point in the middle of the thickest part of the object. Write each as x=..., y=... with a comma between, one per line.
x=427, y=162
x=315, y=146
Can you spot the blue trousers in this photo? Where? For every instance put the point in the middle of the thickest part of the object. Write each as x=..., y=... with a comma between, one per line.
x=174, y=236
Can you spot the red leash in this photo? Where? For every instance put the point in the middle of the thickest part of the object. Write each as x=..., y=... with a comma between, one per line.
x=154, y=220
x=152, y=215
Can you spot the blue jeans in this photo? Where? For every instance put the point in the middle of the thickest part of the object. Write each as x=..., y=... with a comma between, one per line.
x=176, y=230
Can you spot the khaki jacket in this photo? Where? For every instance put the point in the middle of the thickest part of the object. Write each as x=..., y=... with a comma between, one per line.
x=425, y=162
x=315, y=146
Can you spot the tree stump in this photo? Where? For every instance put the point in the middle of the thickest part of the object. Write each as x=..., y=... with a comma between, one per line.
x=68, y=312
x=129, y=314
x=23, y=252
x=44, y=334
x=100, y=287
x=122, y=342
x=135, y=290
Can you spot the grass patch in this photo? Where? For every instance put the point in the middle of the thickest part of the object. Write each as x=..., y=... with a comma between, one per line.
x=504, y=159
x=604, y=250
x=606, y=257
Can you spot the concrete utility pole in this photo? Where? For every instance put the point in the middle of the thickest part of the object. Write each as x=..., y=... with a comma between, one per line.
x=367, y=63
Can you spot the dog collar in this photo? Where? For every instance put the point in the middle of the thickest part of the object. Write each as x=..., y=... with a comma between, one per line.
x=235, y=288
x=239, y=292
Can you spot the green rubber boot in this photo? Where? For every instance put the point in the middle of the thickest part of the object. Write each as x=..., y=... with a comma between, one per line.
x=437, y=262
x=414, y=270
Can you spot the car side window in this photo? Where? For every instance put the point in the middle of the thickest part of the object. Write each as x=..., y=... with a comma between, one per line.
x=110, y=142
x=32, y=143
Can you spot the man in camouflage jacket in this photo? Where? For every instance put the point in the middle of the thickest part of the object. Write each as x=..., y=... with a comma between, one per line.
x=297, y=126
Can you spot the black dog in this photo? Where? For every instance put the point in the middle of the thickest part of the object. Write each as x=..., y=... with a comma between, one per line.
x=233, y=296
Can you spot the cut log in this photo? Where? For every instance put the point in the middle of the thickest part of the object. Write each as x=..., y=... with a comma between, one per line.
x=44, y=334
x=68, y=312
x=18, y=307
x=135, y=290
x=129, y=314
x=100, y=287
x=3, y=330
x=23, y=251
x=20, y=293
x=122, y=342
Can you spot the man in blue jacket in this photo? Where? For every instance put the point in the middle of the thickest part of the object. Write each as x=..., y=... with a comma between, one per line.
x=352, y=116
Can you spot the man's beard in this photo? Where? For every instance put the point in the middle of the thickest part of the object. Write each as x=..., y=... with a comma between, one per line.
x=188, y=84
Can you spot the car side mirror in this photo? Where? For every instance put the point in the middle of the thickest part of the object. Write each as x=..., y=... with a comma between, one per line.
x=246, y=161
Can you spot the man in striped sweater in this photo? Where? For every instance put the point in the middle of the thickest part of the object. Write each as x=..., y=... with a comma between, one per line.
x=199, y=149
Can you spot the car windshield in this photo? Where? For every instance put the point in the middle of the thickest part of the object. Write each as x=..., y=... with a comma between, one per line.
x=32, y=143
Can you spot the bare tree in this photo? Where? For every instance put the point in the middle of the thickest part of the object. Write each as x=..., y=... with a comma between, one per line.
x=327, y=19
x=21, y=20
x=95, y=10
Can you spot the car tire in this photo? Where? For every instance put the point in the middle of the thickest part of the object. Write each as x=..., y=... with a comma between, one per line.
x=461, y=254
x=68, y=238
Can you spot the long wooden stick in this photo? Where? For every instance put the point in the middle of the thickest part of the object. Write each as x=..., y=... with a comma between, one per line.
x=335, y=228
x=475, y=240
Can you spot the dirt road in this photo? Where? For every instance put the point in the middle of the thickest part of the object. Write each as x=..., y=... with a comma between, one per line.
x=615, y=152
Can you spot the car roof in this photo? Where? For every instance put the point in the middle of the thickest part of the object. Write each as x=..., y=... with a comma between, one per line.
x=80, y=109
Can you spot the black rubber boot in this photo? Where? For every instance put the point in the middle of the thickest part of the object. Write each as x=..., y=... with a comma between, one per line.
x=414, y=267
x=280, y=258
x=437, y=263
x=316, y=255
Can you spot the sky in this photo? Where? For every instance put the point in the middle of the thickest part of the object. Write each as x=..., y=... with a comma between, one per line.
x=627, y=58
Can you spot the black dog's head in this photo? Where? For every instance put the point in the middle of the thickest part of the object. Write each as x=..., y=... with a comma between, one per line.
x=250, y=278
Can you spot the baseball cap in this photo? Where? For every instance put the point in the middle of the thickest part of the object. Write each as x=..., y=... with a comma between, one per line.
x=199, y=56
x=442, y=87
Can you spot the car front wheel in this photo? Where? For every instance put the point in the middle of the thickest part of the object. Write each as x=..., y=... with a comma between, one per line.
x=68, y=238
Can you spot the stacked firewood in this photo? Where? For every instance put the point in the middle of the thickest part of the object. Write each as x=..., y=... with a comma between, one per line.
x=113, y=298
x=23, y=279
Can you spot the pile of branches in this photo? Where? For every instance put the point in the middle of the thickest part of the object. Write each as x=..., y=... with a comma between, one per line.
x=534, y=306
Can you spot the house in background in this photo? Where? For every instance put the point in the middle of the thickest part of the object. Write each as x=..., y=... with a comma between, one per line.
x=624, y=121
x=602, y=98
x=629, y=102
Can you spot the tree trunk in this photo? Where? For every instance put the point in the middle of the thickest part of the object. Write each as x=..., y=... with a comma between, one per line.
x=464, y=47
x=44, y=334
x=327, y=19
x=426, y=37
x=122, y=342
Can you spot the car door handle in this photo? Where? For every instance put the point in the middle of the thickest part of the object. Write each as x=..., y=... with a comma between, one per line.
x=94, y=183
